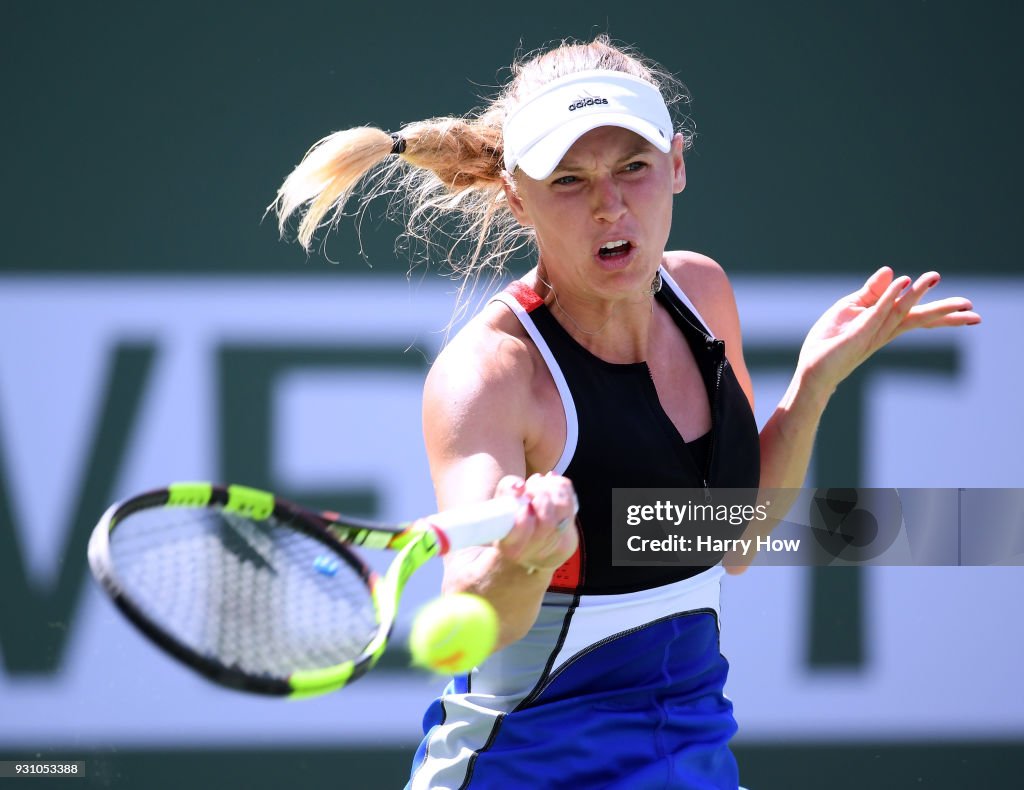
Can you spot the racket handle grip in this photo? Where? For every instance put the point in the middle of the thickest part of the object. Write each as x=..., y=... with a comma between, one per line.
x=476, y=524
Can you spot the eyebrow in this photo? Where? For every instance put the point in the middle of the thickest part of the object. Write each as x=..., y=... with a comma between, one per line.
x=640, y=147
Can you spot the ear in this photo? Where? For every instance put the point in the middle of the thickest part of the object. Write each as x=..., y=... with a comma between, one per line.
x=515, y=202
x=678, y=165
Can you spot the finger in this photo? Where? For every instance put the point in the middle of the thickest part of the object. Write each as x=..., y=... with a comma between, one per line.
x=874, y=287
x=551, y=521
x=956, y=311
x=877, y=315
x=562, y=538
x=546, y=508
x=916, y=292
x=907, y=300
x=517, y=543
x=952, y=304
x=549, y=548
x=571, y=518
x=510, y=485
x=555, y=549
x=566, y=536
x=552, y=497
x=895, y=289
x=553, y=502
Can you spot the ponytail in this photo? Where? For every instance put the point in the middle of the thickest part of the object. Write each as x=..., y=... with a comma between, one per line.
x=325, y=178
x=449, y=169
x=459, y=155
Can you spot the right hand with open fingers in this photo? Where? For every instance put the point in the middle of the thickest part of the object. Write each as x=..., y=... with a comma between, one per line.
x=544, y=535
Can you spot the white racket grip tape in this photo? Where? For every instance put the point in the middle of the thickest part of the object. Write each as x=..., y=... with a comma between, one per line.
x=481, y=523
x=476, y=524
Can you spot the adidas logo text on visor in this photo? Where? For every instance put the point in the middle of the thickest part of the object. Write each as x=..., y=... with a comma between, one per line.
x=539, y=131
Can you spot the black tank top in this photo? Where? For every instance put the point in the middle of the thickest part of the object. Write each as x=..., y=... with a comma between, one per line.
x=624, y=439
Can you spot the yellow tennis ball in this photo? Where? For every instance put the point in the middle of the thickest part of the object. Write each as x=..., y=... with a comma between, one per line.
x=454, y=633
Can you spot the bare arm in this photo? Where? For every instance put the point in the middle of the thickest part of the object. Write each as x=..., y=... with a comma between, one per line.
x=477, y=414
x=844, y=337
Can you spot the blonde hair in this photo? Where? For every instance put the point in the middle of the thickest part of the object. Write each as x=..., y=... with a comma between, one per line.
x=449, y=178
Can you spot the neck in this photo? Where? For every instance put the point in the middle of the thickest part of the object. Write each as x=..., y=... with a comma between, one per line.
x=614, y=330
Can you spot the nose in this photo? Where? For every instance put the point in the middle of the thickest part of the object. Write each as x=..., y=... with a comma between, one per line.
x=608, y=204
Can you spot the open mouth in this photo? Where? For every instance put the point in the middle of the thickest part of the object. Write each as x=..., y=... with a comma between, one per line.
x=615, y=249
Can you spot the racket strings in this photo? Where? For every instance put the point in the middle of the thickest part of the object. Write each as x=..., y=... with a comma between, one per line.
x=257, y=596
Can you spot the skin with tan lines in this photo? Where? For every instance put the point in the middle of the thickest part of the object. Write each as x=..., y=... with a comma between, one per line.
x=493, y=419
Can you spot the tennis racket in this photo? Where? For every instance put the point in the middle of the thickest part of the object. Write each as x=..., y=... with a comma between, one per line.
x=262, y=595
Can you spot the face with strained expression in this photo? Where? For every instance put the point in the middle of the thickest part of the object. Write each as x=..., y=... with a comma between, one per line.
x=602, y=218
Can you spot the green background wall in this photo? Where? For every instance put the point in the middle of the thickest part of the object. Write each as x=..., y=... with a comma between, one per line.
x=832, y=136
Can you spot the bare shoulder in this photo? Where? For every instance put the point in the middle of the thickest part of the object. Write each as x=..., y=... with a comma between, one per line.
x=706, y=284
x=485, y=369
x=492, y=348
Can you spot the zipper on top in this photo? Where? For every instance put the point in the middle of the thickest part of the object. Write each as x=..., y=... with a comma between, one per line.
x=717, y=347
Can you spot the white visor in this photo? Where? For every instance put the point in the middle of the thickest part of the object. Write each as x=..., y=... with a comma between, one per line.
x=539, y=131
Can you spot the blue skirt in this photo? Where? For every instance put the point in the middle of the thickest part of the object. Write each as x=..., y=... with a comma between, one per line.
x=640, y=709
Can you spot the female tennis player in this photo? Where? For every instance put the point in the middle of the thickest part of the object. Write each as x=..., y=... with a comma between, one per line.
x=612, y=363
